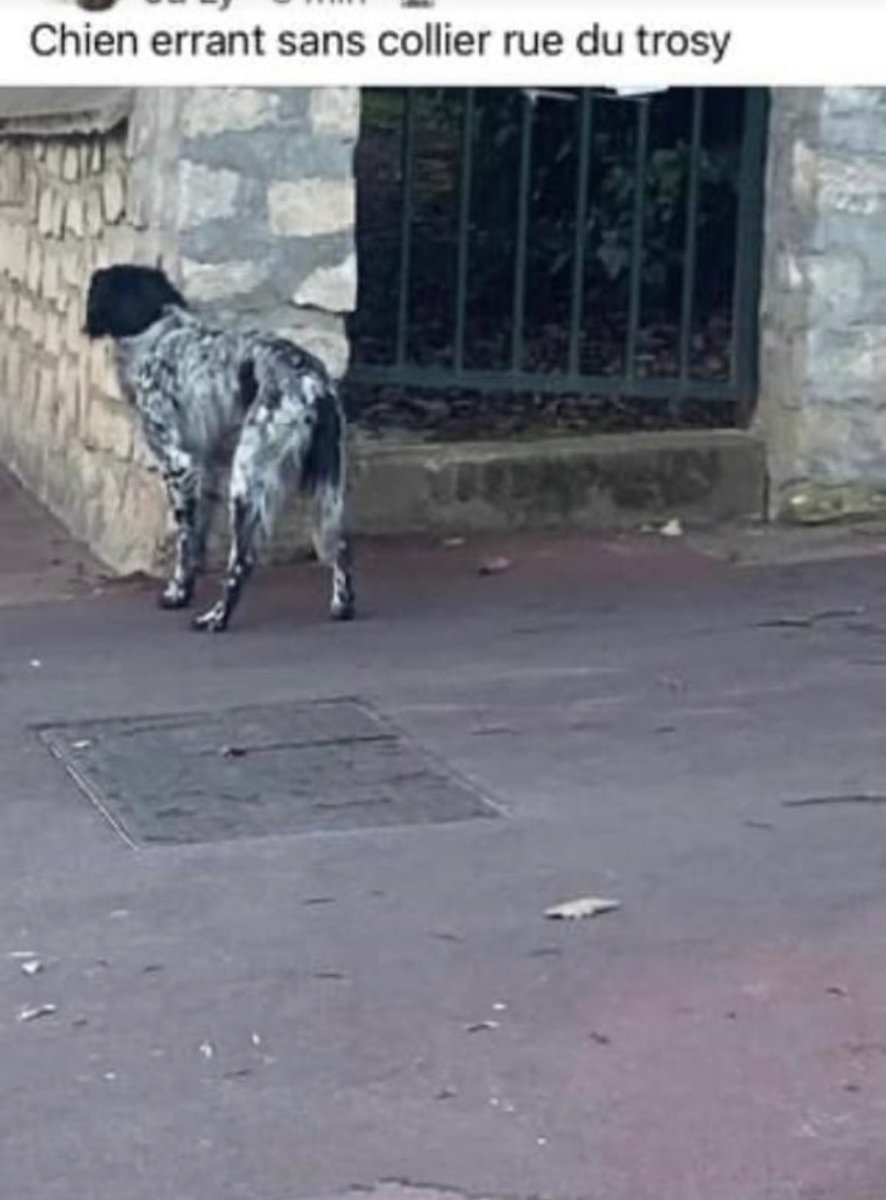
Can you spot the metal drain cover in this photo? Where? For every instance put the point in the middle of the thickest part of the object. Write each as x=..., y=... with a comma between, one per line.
x=254, y=772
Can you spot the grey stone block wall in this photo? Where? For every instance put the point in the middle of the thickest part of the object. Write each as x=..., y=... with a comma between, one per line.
x=823, y=404
x=266, y=209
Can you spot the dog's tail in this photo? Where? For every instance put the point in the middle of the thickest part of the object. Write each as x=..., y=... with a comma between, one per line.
x=323, y=462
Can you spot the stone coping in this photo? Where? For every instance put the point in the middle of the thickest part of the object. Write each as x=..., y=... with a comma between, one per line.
x=44, y=112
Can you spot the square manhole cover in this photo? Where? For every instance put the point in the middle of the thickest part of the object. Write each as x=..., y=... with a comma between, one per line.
x=254, y=772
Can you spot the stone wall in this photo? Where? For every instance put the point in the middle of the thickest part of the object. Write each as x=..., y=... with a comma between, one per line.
x=823, y=404
x=64, y=209
x=266, y=209
x=246, y=197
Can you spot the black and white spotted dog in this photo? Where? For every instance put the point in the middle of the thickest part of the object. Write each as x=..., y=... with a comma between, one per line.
x=206, y=396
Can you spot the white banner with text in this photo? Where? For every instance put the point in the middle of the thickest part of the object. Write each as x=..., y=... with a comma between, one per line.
x=438, y=43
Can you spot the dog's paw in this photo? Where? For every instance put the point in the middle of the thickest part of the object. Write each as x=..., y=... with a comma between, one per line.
x=214, y=620
x=175, y=595
x=344, y=609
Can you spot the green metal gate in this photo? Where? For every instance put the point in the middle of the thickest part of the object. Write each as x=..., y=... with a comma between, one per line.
x=564, y=243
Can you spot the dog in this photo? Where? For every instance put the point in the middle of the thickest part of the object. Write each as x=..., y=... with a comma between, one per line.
x=209, y=397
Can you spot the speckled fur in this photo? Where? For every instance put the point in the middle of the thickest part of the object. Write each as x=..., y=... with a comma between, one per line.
x=207, y=396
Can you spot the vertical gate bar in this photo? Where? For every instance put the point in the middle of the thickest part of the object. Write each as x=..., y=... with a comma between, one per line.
x=464, y=227
x=407, y=178
x=585, y=135
x=748, y=252
x=687, y=299
x=636, y=275
x=519, y=310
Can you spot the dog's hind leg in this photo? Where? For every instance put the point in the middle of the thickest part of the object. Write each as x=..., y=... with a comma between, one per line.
x=258, y=475
x=334, y=549
x=323, y=477
x=291, y=434
x=207, y=504
x=245, y=528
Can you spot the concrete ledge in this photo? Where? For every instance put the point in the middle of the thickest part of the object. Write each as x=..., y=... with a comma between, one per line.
x=598, y=483
x=594, y=484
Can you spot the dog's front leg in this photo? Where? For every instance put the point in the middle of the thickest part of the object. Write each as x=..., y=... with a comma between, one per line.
x=184, y=488
x=183, y=475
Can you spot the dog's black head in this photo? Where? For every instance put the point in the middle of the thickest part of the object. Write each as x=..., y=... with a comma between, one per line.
x=124, y=301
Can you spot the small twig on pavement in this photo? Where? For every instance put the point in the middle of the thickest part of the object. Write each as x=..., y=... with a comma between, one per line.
x=38, y=1012
x=823, y=801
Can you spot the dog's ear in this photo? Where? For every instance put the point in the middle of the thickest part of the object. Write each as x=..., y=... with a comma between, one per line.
x=124, y=301
x=97, y=305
